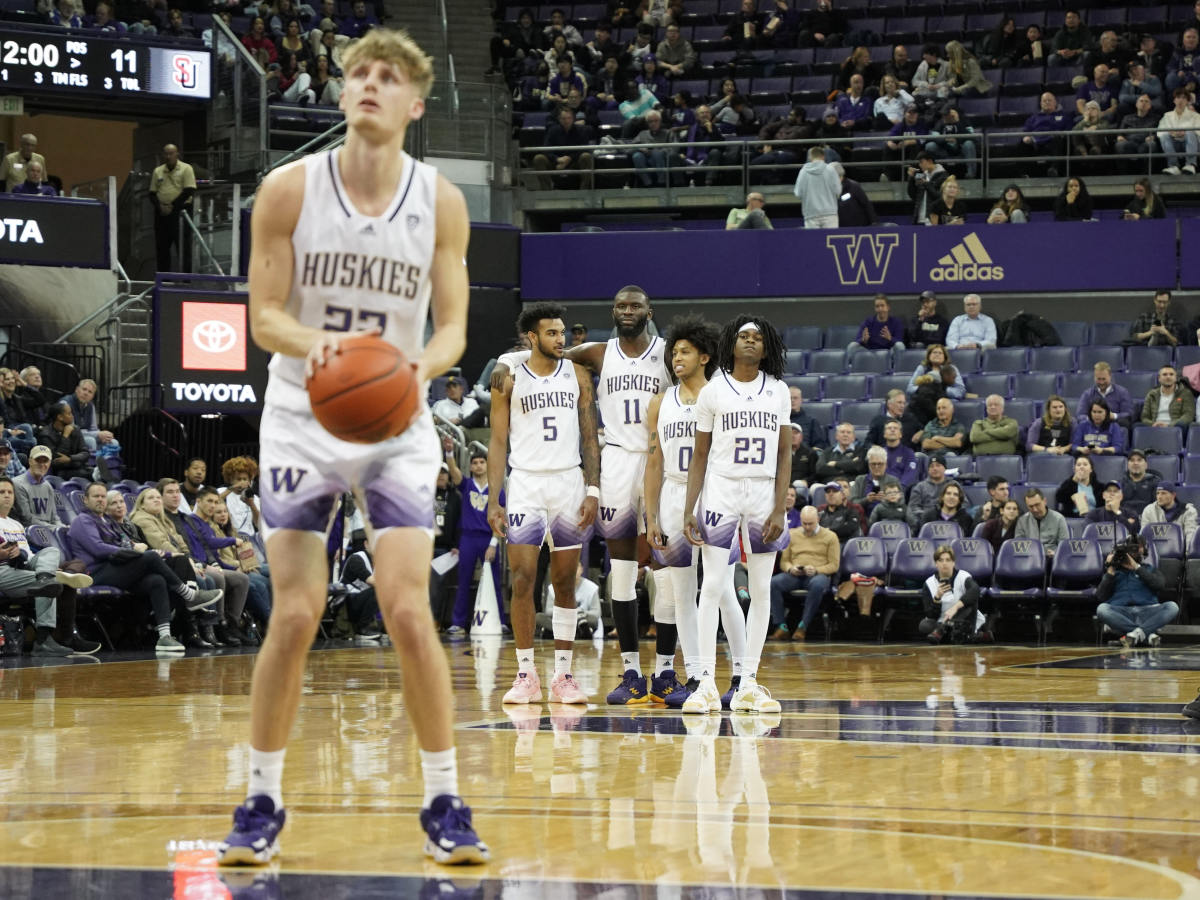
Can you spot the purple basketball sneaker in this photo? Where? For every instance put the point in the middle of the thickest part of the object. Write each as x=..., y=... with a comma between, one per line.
x=451, y=840
x=254, y=839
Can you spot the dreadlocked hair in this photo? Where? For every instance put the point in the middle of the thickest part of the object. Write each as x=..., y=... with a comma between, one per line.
x=533, y=313
x=700, y=333
x=773, y=350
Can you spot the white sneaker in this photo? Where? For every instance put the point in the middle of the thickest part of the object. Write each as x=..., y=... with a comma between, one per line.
x=168, y=644
x=1139, y=636
x=754, y=698
x=1153, y=639
x=704, y=699
x=1171, y=170
x=1189, y=169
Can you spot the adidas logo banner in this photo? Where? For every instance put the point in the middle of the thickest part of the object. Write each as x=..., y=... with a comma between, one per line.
x=967, y=261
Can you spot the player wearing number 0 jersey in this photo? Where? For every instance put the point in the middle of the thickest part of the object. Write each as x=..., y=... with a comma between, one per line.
x=740, y=472
x=545, y=411
x=362, y=238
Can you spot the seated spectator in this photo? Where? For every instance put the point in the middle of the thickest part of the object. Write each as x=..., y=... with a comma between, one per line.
x=972, y=329
x=927, y=327
x=87, y=418
x=334, y=45
x=10, y=464
x=12, y=172
x=950, y=598
x=1171, y=403
x=892, y=103
x=327, y=83
x=118, y=513
x=112, y=559
x=950, y=141
x=814, y=432
x=650, y=77
x=1110, y=52
x=867, y=489
x=458, y=409
x=925, y=495
x=1003, y=527
x=239, y=474
x=1086, y=140
x=882, y=331
x=949, y=209
x=1040, y=523
x=925, y=185
x=951, y=507
x=791, y=512
x=943, y=432
x=33, y=185
x=1044, y=129
x=102, y=21
x=1001, y=47
x=891, y=507
x=1081, y=493
x=818, y=188
x=804, y=459
x=895, y=410
x=516, y=41
x=292, y=83
x=859, y=63
x=1140, y=482
x=1034, y=50
x=1120, y=404
x=1011, y=207
x=259, y=43
x=175, y=27
x=292, y=41
x=832, y=132
x=1176, y=129
x=1168, y=508
x=906, y=137
x=609, y=87
x=735, y=114
x=700, y=153
x=40, y=576
x=996, y=433
x=753, y=215
x=225, y=551
x=1183, y=69
x=18, y=412
x=64, y=439
x=840, y=518
x=997, y=488
x=600, y=48
x=811, y=558
x=845, y=459
x=193, y=481
x=823, y=26
x=564, y=79
x=900, y=66
x=1137, y=130
x=1052, y=432
x=360, y=21
x=964, y=76
x=1139, y=83
x=1152, y=56
x=35, y=504
x=675, y=53
x=65, y=15
x=651, y=164
x=1073, y=203
x=783, y=25
x=854, y=106
x=566, y=132
x=258, y=600
x=1102, y=92
x=901, y=460
x=1098, y=434
x=1115, y=509
x=931, y=78
x=285, y=13
x=36, y=396
x=1070, y=42
x=1145, y=203
x=772, y=159
x=1129, y=599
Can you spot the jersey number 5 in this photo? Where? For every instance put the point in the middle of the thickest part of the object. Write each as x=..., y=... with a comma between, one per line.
x=340, y=318
x=549, y=429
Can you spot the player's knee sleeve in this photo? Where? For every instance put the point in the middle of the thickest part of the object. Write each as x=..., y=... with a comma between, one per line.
x=564, y=623
x=622, y=579
x=664, y=597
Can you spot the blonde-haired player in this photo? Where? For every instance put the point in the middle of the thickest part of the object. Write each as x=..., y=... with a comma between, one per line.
x=358, y=239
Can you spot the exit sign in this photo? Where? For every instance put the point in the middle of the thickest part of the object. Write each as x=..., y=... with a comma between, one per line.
x=12, y=106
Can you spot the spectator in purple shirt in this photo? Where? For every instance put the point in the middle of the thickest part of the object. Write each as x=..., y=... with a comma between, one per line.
x=33, y=186
x=562, y=82
x=854, y=108
x=358, y=24
x=882, y=331
x=1043, y=132
x=1183, y=70
x=906, y=138
x=1100, y=89
x=1098, y=433
x=1120, y=404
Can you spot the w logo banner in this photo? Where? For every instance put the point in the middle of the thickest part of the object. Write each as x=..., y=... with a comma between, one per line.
x=864, y=258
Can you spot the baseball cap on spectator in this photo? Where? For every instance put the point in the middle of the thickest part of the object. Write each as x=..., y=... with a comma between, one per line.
x=796, y=426
x=928, y=295
x=578, y=328
x=445, y=467
x=5, y=447
x=649, y=57
x=1109, y=484
x=327, y=25
x=1166, y=486
x=41, y=450
x=829, y=111
x=1092, y=103
x=833, y=486
x=1136, y=452
x=453, y=379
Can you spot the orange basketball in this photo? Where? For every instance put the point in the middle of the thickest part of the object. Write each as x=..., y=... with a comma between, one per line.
x=366, y=393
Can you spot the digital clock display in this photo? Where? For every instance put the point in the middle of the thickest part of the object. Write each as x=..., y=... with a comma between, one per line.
x=96, y=65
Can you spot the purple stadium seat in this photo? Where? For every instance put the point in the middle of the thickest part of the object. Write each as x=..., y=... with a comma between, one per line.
x=1076, y=570
x=1053, y=359
x=1109, y=332
x=846, y=387
x=827, y=362
x=812, y=88
x=802, y=337
x=840, y=335
x=1090, y=355
x=1036, y=385
x=1019, y=577
x=974, y=556
x=859, y=412
x=1105, y=535
x=1168, y=441
x=874, y=361
x=866, y=555
x=979, y=110
x=1108, y=468
x=794, y=362
x=987, y=383
x=1008, y=467
x=967, y=411
x=1049, y=467
x=891, y=532
x=1023, y=409
x=810, y=386
x=1005, y=359
x=1146, y=359
x=1166, y=537
x=940, y=532
x=1073, y=334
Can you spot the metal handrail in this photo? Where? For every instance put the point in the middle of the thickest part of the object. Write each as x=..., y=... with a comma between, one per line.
x=104, y=310
x=320, y=141
x=185, y=219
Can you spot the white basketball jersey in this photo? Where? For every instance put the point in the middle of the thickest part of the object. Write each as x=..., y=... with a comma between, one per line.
x=745, y=420
x=676, y=435
x=543, y=420
x=354, y=272
x=627, y=385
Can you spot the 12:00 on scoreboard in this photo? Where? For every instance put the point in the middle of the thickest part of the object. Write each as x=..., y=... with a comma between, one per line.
x=95, y=65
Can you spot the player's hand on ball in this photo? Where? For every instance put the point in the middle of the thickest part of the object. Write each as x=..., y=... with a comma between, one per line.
x=498, y=520
x=328, y=344
x=691, y=530
x=587, y=511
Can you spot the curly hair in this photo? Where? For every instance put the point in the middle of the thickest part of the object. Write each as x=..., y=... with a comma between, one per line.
x=231, y=469
x=700, y=333
x=533, y=313
x=774, y=352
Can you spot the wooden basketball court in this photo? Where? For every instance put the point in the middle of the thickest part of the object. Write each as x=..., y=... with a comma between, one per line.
x=899, y=769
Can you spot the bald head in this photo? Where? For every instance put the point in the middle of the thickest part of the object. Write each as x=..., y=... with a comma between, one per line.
x=809, y=519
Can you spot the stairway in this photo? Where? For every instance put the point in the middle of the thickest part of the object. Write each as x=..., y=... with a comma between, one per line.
x=470, y=31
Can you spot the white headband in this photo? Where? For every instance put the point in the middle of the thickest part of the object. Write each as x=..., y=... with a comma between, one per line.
x=749, y=326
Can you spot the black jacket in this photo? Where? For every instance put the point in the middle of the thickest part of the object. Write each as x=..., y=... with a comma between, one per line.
x=855, y=209
x=844, y=521
x=72, y=446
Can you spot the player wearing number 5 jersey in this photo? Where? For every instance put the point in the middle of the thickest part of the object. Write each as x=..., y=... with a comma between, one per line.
x=740, y=472
x=545, y=413
x=360, y=238
x=632, y=371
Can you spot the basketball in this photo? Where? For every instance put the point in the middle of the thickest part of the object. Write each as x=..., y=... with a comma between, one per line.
x=366, y=393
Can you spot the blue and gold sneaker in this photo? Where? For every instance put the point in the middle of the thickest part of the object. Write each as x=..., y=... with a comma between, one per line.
x=450, y=839
x=675, y=699
x=630, y=692
x=734, y=683
x=663, y=685
x=254, y=840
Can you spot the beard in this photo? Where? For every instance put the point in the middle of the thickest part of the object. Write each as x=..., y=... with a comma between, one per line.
x=631, y=331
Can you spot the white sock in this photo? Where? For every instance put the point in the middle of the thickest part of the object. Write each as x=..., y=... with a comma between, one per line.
x=266, y=775
x=164, y=630
x=662, y=662
x=758, y=621
x=716, y=562
x=440, y=771
x=683, y=588
x=185, y=590
x=733, y=620
x=525, y=662
x=631, y=661
x=562, y=662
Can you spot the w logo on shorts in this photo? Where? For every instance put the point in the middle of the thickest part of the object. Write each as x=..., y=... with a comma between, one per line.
x=608, y=513
x=712, y=518
x=516, y=520
x=286, y=479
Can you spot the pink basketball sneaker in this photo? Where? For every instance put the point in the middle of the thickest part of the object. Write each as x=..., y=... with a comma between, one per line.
x=526, y=688
x=565, y=689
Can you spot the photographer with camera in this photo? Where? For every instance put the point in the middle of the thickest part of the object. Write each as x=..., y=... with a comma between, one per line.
x=239, y=496
x=1128, y=595
x=951, y=602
